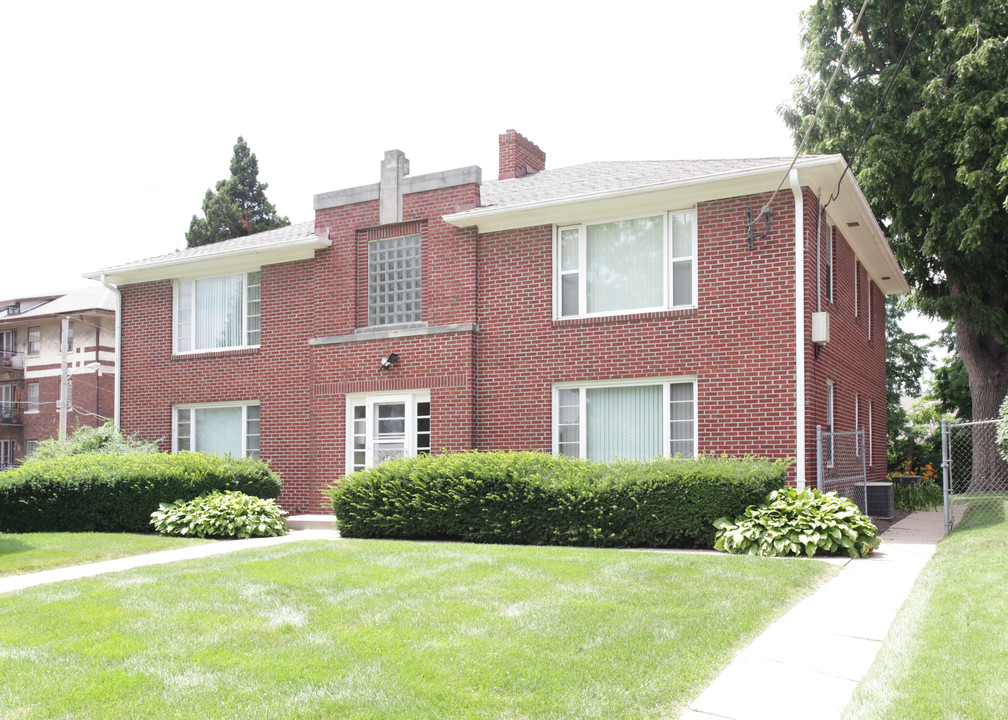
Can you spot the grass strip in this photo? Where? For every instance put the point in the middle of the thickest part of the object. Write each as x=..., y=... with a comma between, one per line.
x=946, y=652
x=22, y=553
x=381, y=629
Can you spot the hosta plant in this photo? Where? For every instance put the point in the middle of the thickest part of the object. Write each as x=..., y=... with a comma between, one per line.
x=789, y=522
x=220, y=514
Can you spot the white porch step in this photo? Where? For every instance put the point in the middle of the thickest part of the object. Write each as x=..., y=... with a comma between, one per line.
x=311, y=522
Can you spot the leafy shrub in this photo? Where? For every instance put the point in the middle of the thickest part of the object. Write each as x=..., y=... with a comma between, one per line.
x=104, y=439
x=537, y=499
x=118, y=493
x=912, y=495
x=220, y=514
x=789, y=522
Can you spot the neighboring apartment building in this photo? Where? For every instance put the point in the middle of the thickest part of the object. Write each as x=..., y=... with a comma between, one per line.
x=32, y=342
x=623, y=309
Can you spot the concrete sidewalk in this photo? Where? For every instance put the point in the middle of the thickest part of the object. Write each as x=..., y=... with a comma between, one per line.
x=808, y=663
x=20, y=582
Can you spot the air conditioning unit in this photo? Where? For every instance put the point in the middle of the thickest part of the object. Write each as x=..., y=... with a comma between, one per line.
x=820, y=328
x=879, y=501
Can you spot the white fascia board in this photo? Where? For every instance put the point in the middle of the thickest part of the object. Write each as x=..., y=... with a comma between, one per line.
x=230, y=261
x=867, y=239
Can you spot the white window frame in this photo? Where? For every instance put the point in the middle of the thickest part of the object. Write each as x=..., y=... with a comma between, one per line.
x=869, y=451
x=245, y=329
x=857, y=416
x=409, y=398
x=664, y=382
x=32, y=403
x=869, y=309
x=7, y=452
x=34, y=346
x=667, y=263
x=830, y=269
x=857, y=287
x=830, y=427
x=244, y=405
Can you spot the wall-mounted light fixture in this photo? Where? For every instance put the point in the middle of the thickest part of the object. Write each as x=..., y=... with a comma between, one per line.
x=388, y=361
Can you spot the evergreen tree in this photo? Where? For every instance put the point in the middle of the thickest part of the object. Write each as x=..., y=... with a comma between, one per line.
x=237, y=206
x=935, y=164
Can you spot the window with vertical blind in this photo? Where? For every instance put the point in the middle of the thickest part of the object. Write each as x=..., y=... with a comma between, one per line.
x=217, y=312
x=637, y=419
x=645, y=263
x=217, y=428
x=384, y=426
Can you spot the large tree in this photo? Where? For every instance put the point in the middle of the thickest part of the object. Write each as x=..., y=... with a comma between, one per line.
x=237, y=206
x=935, y=164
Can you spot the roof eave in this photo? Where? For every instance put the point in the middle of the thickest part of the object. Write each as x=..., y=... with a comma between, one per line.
x=233, y=260
x=821, y=173
x=676, y=192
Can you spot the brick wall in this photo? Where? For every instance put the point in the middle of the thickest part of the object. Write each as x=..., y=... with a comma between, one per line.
x=492, y=388
x=854, y=361
x=742, y=328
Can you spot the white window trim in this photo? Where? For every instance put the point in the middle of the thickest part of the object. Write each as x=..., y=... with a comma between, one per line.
x=831, y=275
x=830, y=427
x=209, y=276
x=583, y=259
x=857, y=419
x=627, y=382
x=869, y=450
x=869, y=310
x=243, y=404
x=857, y=287
x=28, y=400
x=410, y=398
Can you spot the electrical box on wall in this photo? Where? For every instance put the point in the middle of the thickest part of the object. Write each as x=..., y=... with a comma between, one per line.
x=820, y=328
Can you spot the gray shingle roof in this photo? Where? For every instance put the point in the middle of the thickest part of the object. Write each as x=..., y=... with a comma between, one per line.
x=603, y=177
x=269, y=238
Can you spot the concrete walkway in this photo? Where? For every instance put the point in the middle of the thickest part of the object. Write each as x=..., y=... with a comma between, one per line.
x=807, y=664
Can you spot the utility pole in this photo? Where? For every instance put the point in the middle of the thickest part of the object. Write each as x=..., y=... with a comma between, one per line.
x=64, y=378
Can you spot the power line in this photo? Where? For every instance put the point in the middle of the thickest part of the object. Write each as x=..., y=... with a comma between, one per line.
x=878, y=109
x=822, y=100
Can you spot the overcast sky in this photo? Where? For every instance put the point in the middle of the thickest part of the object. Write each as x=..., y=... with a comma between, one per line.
x=116, y=117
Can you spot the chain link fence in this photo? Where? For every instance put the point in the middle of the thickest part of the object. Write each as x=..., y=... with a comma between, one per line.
x=974, y=475
x=840, y=468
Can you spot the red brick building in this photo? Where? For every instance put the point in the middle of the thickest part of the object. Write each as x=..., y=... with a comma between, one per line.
x=42, y=341
x=624, y=309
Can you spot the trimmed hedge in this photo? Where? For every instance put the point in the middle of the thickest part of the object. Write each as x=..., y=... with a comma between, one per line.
x=117, y=493
x=536, y=499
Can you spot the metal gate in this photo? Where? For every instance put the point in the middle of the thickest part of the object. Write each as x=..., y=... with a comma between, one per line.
x=840, y=465
x=974, y=475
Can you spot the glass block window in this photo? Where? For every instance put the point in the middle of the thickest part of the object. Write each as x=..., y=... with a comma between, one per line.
x=394, y=280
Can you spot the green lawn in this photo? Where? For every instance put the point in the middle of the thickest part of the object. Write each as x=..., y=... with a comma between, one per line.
x=31, y=552
x=946, y=655
x=373, y=629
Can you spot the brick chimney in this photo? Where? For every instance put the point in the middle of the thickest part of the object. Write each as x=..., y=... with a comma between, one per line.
x=519, y=156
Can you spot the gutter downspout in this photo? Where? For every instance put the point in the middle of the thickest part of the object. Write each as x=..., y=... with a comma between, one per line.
x=799, y=250
x=118, y=347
